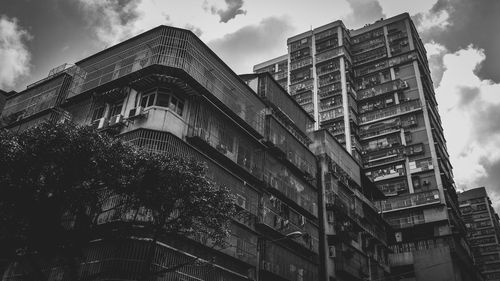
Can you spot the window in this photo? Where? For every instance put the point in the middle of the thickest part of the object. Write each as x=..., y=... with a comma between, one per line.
x=177, y=105
x=98, y=112
x=116, y=108
x=148, y=99
x=163, y=98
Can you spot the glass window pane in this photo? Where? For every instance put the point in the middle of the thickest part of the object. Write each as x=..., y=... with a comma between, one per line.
x=173, y=103
x=151, y=100
x=98, y=113
x=180, y=108
x=144, y=101
x=162, y=100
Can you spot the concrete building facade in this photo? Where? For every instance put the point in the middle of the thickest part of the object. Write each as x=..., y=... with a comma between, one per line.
x=371, y=88
x=167, y=92
x=483, y=228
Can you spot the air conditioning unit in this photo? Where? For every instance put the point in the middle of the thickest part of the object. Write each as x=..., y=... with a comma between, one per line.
x=136, y=112
x=116, y=120
x=100, y=124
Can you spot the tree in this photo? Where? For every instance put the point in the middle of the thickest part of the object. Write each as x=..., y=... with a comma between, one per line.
x=60, y=182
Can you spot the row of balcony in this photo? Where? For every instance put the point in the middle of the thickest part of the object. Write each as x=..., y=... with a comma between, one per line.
x=331, y=114
x=331, y=33
x=384, y=88
x=398, y=109
x=301, y=63
x=410, y=200
x=335, y=202
x=330, y=54
x=301, y=87
x=370, y=56
x=408, y=221
x=292, y=189
x=330, y=90
x=284, y=225
x=388, y=156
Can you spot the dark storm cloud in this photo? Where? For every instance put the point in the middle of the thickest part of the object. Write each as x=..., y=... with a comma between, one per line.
x=67, y=30
x=363, y=12
x=471, y=22
x=253, y=44
x=111, y=20
x=234, y=8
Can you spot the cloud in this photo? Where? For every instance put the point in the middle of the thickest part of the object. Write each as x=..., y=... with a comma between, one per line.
x=232, y=10
x=253, y=44
x=470, y=111
x=455, y=24
x=435, y=54
x=431, y=20
x=196, y=30
x=394, y=7
x=112, y=20
x=14, y=53
x=363, y=12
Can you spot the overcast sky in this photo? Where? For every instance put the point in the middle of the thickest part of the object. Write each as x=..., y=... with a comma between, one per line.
x=462, y=39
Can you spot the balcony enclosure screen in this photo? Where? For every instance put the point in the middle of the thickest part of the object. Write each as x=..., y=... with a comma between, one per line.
x=178, y=49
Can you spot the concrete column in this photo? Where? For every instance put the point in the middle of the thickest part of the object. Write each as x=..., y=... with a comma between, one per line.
x=430, y=138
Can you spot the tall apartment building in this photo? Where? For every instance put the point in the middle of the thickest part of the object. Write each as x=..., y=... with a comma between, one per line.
x=166, y=91
x=371, y=88
x=483, y=230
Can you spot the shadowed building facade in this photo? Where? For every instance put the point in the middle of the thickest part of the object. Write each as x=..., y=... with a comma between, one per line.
x=167, y=92
x=371, y=88
x=483, y=230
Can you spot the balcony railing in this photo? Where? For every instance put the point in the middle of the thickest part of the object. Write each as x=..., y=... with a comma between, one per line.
x=301, y=63
x=331, y=114
x=327, y=70
x=397, y=35
x=388, y=156
x=330, y=90
x=281, y=75
x=246, y=157
x=284, y=225
x=330, y=54
x=292, y=189
x=335, y=202
x=410, y=200
x=302, y=86
x=391, y=111
x=421, y=166
x=295, y=152
x=402, y=59
x=384, y=88
x=407, y=221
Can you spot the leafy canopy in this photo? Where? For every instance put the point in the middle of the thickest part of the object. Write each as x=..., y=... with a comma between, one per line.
x=59, y=181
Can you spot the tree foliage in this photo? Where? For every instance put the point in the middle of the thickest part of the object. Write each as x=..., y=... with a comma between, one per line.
x=57, y=179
